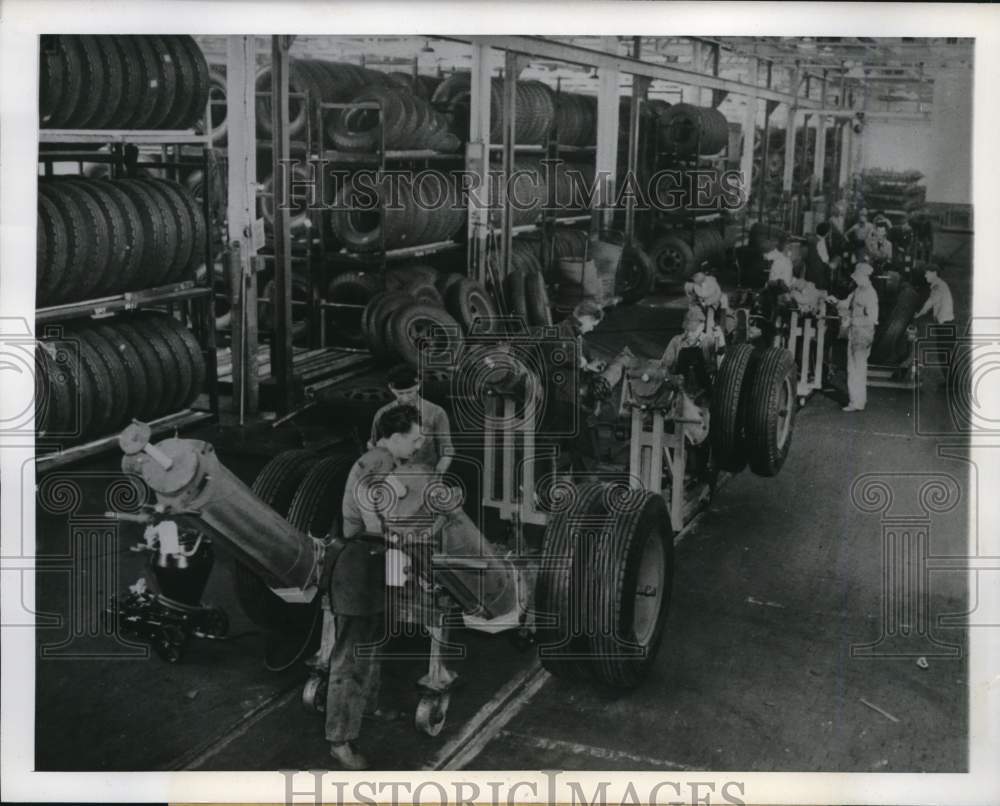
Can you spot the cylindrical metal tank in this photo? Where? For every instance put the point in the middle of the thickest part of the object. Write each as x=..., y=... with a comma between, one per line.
x=191, y=484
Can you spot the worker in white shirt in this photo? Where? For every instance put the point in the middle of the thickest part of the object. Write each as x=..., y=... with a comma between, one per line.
x=860, y=311
x=781, y=265
x=941, y=308
x=703, y=291
x=939, y=303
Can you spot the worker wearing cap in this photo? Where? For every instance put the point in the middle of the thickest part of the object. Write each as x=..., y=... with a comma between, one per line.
x=860, y=312
x=437, y=450
x=694, y=335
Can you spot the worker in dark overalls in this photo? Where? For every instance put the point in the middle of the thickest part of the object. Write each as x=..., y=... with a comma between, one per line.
x=357, y=585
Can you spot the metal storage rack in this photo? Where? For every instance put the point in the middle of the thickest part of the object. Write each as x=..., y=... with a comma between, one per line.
x=196, y=297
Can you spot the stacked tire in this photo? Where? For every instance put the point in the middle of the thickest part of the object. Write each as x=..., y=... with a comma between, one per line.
x=403, y=121
x=122, y=82
x=408, y=321
x=428, y=211
x=530, y=188
x=420, y=86
x=689, y=130
x=576, y=119
x=100, y=375
x=676, y=256
x=534, y=117
x=215, y=117
x=891, y=344
x=98, y=237
x=753, y=409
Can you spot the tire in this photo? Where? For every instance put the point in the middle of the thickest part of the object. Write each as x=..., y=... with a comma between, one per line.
x=444, y=284
x=55, y=392
x=200, y=81
x=515, y=294
x=112, y=64
x=110, y=280
x=90, y=258
x=275, y=485
x=132, y=240
x=316, y=506
x=132, y=81
x=536, y=296
x=51, y=80
x=119, y=392
x=179, y=227
x=216, y=91
x=70, y=58
x=633, y=560
x=53, y=259
x=354, y=288
x=183, y=99
x=90, y=111
x=177, y=373
x=425, y=333
x=154, y=234
x=200, y=246
x=558, y=588
x=196, y=360
x=467, y=301
x=770, y=409
x=148, y=71
x=96, y=402
x=154, y=359
x=727, y=415
x=399, y=278
x=636, y=275
x=891, y=346
x=137, y=378
x=380, y=344
x=673, y=260
x=166, y=84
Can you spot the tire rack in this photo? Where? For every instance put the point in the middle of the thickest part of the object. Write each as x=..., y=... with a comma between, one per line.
x=551, y=151
x=124, y=148
x=687, y=221
x=379, y=258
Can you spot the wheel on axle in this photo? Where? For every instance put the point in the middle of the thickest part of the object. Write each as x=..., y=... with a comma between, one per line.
x=314, y=693
x=728, y=402
x=432, y=712
x=630, y=581
x=770, y=409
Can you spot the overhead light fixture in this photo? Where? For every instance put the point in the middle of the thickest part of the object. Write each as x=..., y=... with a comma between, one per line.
x=427, y=47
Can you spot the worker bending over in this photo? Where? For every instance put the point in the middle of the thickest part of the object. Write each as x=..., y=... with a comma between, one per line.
x=678, y=357
x=357, y=588
x=859, y=311
x=437, y=450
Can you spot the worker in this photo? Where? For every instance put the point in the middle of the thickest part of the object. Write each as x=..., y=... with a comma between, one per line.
x=357, y=587
x=586, y=316
x=821, y=262
x=859, y=231
x=437, y=450
x=942, y=310
x=780, y=273
x=694, y=336
x=878, y=247
x=859, y=311
x=703, y=291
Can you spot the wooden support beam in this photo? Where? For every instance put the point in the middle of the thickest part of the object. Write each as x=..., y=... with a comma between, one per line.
x=477, y=161
x=281, y=340
x=749, y=133
x=793, y=115
x=819, y=155
x=241, y=212
x=607, y=137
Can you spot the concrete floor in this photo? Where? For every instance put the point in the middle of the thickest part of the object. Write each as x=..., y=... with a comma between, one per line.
x=774, y=584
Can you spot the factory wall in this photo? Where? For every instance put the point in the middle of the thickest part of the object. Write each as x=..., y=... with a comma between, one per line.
x=949, y=165
x=903, y=145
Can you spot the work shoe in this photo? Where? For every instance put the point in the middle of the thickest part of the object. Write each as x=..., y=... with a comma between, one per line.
x=851, y=408
x=349, y=758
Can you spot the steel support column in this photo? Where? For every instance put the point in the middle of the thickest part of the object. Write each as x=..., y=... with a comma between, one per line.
x=281, y=340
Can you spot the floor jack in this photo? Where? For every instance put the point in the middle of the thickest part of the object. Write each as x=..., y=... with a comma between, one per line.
x=181, y=563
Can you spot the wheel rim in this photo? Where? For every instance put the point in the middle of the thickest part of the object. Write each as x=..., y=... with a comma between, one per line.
x=668, y=264
x=786, y=401
x=649, y=587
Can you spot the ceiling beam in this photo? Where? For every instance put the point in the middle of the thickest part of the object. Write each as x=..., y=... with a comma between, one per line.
x=574, y=54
